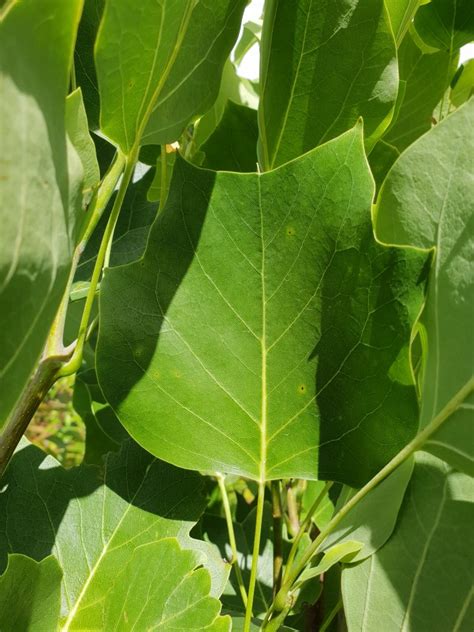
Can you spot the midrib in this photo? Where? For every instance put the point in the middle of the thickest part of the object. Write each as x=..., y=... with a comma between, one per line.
x=263, y=347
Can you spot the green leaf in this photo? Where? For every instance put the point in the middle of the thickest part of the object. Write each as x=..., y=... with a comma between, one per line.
x=325, y=509
x=426, y=203
x=40, y=182
x=344, y=552
x=149, y=98
x=464, y=86
x=401, y=14
x=84, y=64
x=104, y=432
x=78, y=131
x=93, y=521
x=30, y=595
x=176, y=591
x=422, y=578
x=213, y=357
x=233, y=144
x=233, y=88
x=154, y=192
x=130, y=233
x=445, y=24
x=307, y=98
x=426, y=78
x=372, y=520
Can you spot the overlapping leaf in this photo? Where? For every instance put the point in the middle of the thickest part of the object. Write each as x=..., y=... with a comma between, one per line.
x=324, y=64
x=263, y=321
x=96, y=523
x=426, y=202
x=40, y=182
x=422, y=578
x=168, y=69
x=30, y=595
x=446, y=24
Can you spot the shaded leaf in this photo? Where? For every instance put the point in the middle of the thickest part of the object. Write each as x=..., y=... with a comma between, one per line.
x=213, y=357
x=307, y=98
x=401, y=14
x=84, y=64
x=372, y=520
x=30, y=595
x=78, y=131
x=40, y=182
x=426, y=78
x=422, y=578
x=426, y=203
x=154, y=192
x=149, y=98
x=446, y=24
x=93, y=522
x=233, y=144
x=464, y=86
x=130, y=233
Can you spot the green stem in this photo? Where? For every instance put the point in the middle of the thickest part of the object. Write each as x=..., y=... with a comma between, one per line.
x=414, y=445
x=304, y=527
x=293, y=510
x=75, y=362
x=255, y=554
x=232, y=541
x=163, y=185
x=277, y=513
x=331, y=616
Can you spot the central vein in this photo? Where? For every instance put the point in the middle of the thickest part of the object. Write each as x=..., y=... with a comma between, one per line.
x=263, y=345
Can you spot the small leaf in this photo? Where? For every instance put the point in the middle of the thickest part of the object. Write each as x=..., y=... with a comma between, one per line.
x=307, y=98
x=150, y=97
x=422, y=578
x=426, y=203
x=78, y=131
x=464, y=86
x=30, y=595
x=344, y=552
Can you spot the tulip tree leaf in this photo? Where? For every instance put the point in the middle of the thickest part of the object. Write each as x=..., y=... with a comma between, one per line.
x=30, y=594
x=94, y=521
x=372, y=520
x=427, y=203
x=426, y=77
x=446, y=24
x=233, y=144
x=177, y=592
x=464, y=86
x=401, y=14
x=149, y=97
x=78, y=130
x=307, y=98
x=84, y=65
x=41, y=182
x=234, y=388
x=422, y=578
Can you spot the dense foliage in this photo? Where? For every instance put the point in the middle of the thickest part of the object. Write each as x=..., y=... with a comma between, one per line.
x=264, y=290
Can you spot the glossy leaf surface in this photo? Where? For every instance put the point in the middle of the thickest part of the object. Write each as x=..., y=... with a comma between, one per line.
x=214, y=357
x=422, y=578
x=41, y=182
x=169, y=68
x=427, y=203
x=306, y=97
